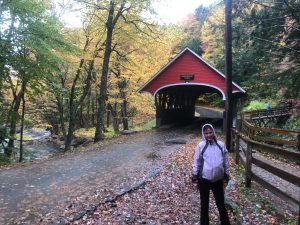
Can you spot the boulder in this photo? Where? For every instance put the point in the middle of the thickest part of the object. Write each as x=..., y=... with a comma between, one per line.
x=127, y=132
x=54, y=136
x=231, y=186
x=176, y=141
x=78, y=141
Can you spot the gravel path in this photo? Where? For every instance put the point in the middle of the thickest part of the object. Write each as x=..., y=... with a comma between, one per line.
x=31, y=191
x=50, y=189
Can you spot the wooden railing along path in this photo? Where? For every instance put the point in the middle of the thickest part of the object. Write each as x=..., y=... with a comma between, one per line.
x=285, y=145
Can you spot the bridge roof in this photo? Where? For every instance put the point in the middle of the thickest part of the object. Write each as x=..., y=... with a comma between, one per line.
x=188, y=69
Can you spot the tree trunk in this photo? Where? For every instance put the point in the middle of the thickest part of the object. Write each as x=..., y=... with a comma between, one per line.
x=73, y=108
x=88, y=121
x=124, y=115
x=107, y=117
x=60, y=106
x=71, y=129
x=81, y=121
x=22, y=129
x=75, y=105
x=122, y=85
x=94, y=109
x=115, y=119
x=99, y=135
x=13, y=120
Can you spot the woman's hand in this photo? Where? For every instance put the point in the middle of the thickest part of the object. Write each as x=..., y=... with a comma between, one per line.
x=226, y=178
x=194, y=179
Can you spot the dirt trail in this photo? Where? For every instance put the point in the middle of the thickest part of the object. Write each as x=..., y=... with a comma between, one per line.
x=40, y=188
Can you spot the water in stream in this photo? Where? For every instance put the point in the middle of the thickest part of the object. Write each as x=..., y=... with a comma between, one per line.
x=36, y=145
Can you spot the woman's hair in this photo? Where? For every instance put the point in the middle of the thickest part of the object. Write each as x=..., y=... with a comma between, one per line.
x=206, y=127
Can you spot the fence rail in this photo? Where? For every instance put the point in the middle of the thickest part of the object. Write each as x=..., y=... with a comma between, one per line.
x=283, y=137
x=257, y=139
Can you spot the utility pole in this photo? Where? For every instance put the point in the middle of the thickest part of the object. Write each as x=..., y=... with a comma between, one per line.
x=228, y=73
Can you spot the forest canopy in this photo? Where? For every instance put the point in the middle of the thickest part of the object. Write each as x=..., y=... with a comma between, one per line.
x=88, y=76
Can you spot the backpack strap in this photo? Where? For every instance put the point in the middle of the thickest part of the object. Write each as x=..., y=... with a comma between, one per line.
x=223, y=154
x=220, y=147
x=201, y=160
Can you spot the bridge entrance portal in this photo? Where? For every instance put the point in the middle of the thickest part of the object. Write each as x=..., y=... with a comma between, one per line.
x=177, y=86
x=176, y=103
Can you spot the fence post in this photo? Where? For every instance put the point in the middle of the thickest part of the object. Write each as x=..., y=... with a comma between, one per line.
x=299, y=214
x=231, y=141
x=248, y=165
x=251, y=133
x=237, y=141
x=298, y=143
x=298, y=147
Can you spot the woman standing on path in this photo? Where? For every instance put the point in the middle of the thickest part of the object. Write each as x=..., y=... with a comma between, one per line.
x=210, y=170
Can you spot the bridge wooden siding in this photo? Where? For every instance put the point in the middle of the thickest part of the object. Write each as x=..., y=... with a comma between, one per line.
x=177, y=85
x=256, y=138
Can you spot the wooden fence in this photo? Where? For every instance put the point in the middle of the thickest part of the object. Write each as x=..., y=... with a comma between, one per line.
x=271, y=135
x=257, y=139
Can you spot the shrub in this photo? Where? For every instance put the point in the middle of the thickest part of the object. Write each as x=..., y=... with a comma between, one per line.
x=255, y=105
x=292, y=123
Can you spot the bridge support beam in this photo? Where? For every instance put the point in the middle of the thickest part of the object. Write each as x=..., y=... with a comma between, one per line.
x=172, y=108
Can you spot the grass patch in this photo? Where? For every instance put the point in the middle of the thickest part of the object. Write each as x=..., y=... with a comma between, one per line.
x=26, y=138
x=39, y=129
x=90, y=132
x=4, y=160
x=255, y=105
x=145, y=126
x=109, y=132
x=85, y=132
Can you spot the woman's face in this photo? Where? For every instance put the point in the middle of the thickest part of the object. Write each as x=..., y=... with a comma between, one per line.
x=209, y=134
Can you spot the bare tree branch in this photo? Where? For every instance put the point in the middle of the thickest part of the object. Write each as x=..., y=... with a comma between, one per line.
x=124, y=55
x=119, y=13
x=135, y=24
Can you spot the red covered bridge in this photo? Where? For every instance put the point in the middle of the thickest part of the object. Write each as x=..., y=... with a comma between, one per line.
x=178, y=84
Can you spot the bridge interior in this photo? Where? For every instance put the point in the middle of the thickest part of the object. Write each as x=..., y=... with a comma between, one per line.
x=176, y=104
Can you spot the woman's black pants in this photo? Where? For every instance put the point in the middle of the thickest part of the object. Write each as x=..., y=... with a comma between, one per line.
x=217, y=188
